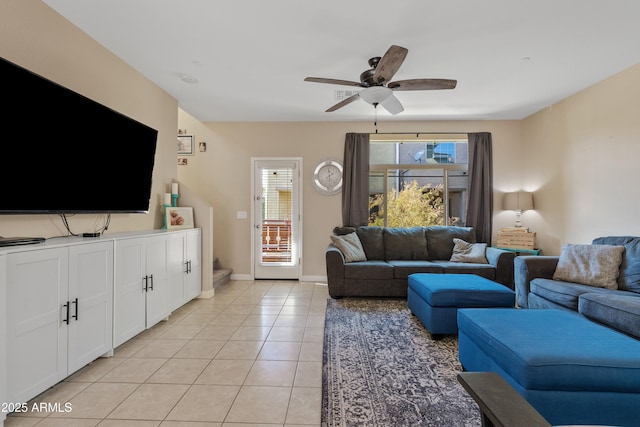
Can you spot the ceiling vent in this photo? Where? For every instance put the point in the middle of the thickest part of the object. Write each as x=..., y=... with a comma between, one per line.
x=344, y=94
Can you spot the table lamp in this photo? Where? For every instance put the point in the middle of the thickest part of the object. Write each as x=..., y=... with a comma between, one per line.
x=518, y=201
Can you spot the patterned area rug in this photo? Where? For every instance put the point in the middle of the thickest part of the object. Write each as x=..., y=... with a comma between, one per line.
x=381, y=368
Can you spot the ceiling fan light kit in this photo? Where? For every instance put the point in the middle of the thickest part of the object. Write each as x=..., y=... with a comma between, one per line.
x=378, y=89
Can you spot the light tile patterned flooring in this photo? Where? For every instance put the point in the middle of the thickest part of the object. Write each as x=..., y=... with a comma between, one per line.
x=249, y=357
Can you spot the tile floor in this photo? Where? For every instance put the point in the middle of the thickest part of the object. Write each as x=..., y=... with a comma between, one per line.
x=249, y=357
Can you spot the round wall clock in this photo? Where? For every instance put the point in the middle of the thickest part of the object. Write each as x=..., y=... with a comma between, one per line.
x=327, y=176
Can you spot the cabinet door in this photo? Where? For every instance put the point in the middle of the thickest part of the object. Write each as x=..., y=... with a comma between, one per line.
x=158, y=282
x=193, y=255
x=37, y=288
x=176, y=269
x=90, y=295
x=129, y=317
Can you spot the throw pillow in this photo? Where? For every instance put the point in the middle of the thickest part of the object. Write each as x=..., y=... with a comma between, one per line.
x=350, y=246
x=469, y=252
x=593, y=265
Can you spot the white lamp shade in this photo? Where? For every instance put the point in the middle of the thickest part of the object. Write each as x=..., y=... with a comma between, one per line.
x=375, y=94
x=517, y=201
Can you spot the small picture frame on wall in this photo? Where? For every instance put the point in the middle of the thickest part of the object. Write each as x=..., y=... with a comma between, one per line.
x=185, y=145
x=179, y=217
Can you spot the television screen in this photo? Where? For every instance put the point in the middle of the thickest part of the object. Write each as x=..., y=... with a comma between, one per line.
x=65, y=153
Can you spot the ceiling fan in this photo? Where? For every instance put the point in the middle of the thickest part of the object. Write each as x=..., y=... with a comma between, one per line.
x=378, y=89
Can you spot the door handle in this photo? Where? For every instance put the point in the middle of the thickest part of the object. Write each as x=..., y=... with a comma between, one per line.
x=145, y=287
x=151, y=280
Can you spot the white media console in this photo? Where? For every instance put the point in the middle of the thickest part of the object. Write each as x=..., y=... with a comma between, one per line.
x=70, y=300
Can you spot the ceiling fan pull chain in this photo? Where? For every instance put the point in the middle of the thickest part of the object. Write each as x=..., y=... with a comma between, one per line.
x=375, y=116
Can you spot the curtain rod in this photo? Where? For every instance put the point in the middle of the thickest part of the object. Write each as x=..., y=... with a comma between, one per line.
x=419, y=133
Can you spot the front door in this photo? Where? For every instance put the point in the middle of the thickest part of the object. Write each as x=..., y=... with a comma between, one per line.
x=276, y=216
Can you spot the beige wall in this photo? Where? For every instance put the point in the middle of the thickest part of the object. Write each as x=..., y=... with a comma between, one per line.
x=37, y=38
x=582, y=159
x=580, y=156
x=223, y=174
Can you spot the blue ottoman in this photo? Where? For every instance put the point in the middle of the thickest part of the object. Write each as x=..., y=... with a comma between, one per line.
x=435, y=298
x=572, y=370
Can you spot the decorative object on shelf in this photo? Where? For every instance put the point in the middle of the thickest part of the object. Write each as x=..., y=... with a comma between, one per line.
x=518, y=201
x=202, y=146
x=174, y=194
x=181, y=217
x=327, y=176
x=185, y=145
x=166, y=207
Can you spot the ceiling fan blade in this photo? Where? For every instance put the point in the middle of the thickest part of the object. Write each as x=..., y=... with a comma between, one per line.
x=422, y=84
x=392, y=105
x=344, y=102
x=389, y=64
x=333, y=81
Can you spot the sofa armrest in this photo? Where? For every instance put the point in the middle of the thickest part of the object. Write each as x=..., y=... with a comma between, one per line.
x=335, y=271
x=503, y=262
x=528, y=268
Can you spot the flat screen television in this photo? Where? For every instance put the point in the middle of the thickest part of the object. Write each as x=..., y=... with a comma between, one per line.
x=67, y=154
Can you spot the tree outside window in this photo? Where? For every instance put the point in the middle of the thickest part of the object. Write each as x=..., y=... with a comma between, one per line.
x=417, y=183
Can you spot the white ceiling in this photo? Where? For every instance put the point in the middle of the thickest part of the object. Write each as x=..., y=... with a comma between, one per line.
x=511, y=58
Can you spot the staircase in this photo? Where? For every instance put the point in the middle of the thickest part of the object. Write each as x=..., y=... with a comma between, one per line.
x=221, y=276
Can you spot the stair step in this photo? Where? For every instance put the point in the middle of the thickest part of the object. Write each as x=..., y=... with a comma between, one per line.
x=221, y=277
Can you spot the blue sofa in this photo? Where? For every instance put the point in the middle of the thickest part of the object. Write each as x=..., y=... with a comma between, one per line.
x=570, y=369
x=616, y=308
x=572, y=350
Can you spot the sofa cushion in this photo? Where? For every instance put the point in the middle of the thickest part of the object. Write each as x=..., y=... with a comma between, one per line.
x=629, y=278
x=403, y=268
x=377, y=270
x=372, y=241
x=440, y=239
x=484, y=270
x=350, y=246
x=594, y=265
x=405, y=243
x=468, y=252
x=562, y=293
x=618, y=309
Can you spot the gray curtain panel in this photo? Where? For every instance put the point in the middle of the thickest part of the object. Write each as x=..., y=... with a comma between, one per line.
x=480, y=194
x=355, y=185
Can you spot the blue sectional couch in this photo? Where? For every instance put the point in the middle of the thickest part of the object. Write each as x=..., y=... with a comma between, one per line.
x=617, y=308
x=572, y=370
x=573, y=349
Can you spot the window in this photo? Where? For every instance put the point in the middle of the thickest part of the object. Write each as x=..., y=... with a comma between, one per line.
x=417, y=180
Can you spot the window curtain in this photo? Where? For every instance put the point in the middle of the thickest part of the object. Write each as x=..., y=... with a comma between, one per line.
x=355, y=185
x=480, y=194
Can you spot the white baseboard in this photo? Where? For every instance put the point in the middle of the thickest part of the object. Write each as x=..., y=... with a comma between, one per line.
x=207, y=294
x=316, y=279
x=308, y=278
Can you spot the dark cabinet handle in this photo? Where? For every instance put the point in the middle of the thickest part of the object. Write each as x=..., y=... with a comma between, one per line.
x=75, y=316
x=66, y=306
x=144, y=280
x=187, y=267
x=151, y=286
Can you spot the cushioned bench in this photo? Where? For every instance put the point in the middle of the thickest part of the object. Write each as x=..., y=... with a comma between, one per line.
x=436, y=298
x=572, y=370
